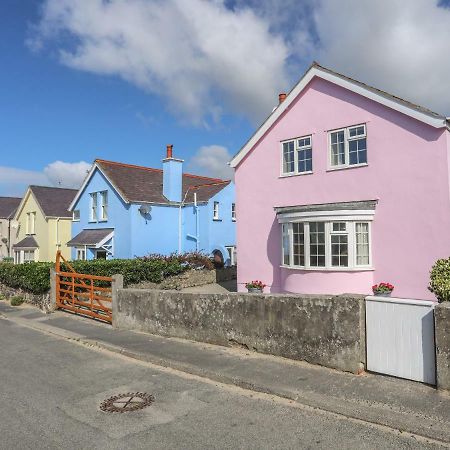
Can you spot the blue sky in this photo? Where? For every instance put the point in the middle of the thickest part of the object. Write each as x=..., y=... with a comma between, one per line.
x=119, y=80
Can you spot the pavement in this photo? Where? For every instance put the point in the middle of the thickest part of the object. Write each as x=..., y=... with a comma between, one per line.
x=390, y=412
x=214, y=288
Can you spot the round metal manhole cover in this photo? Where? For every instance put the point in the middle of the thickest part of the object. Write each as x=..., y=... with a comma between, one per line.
x=132, y=401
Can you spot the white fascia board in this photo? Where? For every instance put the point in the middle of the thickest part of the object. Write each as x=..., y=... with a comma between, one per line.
x=318, y=216
x=86, y=182
x=436, y=122
x=105, y=240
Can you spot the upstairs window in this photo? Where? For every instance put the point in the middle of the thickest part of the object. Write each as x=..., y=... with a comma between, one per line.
x=348, y=147
x=104, y=205
x=216, y=211
x=76, y=215
x=233, y=212
x=297, y=156
x=31, y=223
x=94, y=207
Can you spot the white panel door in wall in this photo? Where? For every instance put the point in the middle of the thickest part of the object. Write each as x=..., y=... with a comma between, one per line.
x=400, y=338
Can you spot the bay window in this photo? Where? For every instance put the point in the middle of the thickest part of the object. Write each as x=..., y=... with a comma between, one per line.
x=326, y=244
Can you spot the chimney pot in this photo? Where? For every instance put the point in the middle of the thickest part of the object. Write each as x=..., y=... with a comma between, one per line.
x=281, y=98
x=169, y=151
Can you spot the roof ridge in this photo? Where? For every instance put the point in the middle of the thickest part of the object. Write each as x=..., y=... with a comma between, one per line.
x=152, y=169
x=5, y=196
x=209, y=184
x=135, y=166
x=51, y=187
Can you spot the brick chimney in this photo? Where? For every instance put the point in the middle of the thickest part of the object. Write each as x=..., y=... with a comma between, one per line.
x=281, y=98
x=172, y=176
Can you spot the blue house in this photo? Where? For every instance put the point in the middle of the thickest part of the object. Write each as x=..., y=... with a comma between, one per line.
x=123, y=211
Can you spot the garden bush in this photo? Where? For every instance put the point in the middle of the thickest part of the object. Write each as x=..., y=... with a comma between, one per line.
x=35, y=277
x=440, y=280
x=17, y=300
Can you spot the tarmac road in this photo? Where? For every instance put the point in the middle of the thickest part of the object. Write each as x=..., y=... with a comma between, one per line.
x=51, y=390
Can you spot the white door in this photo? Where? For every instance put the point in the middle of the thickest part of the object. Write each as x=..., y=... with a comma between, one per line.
x=400, y=338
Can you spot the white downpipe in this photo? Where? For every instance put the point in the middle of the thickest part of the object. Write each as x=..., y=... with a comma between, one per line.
x=179, y=221
x=57, y=233
x=196, y=223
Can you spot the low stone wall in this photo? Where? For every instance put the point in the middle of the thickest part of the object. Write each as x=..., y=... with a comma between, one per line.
x=325, y=330
x=42, y=301
x=442, y=336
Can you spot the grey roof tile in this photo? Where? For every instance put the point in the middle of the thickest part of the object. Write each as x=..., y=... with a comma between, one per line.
x=90, y=237
x=8, y=206
x=54, y=201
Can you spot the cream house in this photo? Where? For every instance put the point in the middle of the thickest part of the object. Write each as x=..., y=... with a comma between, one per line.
x=8, y=226
x=44, y=224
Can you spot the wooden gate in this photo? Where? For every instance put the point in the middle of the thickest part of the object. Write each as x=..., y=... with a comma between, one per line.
x=88, y=295
x=400, y=338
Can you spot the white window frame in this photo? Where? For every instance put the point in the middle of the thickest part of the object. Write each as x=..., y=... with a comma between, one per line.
x=347, y=139
x=76, y=215
x=232, y=254
x=233, y=212
x=216, y=211
x=350, y=231
x=30, y=225
x=93, y=215
x=27, y=252
x=297, y=149
x=80, y=254
x=104, y=206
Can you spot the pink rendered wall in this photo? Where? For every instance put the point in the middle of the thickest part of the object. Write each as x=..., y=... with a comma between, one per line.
x=407, y=172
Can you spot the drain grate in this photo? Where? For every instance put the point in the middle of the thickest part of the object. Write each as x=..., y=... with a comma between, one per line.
x=132, y=401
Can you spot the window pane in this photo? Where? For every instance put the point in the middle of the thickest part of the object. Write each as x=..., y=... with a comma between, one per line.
x=288, y=157
x=337, y=148
x=339, y=250
x=304, y=142
x=339, y=226
x=305, y=160
x=362, y=244
x=317, y=244
x=286, y=244
x=358, y=151
x=299, y=244
x=357, y=131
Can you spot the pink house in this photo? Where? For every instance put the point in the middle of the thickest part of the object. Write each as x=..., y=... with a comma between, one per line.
x=343, y=186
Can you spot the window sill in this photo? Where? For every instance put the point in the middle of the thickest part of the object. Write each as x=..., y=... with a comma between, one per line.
x=217, y=220
x=288, y=175
x=329, y=269
x=233, y=220
x=93, y=221
x=103, y=221
x=353, y=166
x=78, y=220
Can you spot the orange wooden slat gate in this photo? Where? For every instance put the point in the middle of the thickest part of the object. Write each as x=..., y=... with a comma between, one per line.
x=83, y=294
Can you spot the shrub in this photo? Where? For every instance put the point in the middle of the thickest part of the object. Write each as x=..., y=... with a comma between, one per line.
x=440, y=280
x=17, y=301
x=193, y=260
x=8, y=259
x=35, y=277
x=2, y=296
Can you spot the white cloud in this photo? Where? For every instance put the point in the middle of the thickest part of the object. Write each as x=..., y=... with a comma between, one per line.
x=397, y=46
x=197, y=54
x=69, y=175
x=212, y=161
x=207, y=58
x=13, y=181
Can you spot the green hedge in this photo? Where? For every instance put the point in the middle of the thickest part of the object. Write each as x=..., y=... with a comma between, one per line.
x=440, y=280
x=35, y=277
